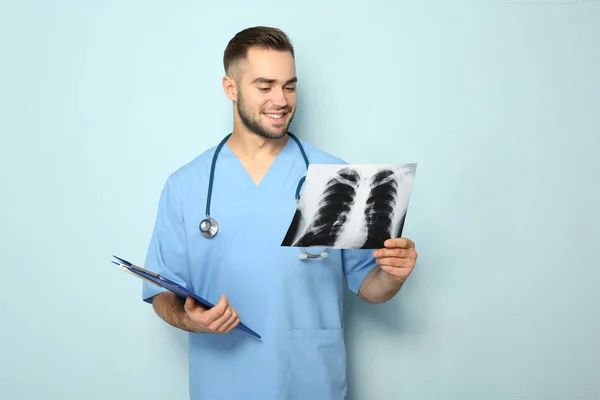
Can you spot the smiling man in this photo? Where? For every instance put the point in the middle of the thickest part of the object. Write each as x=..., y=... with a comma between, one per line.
x=271, y=120
x=248, y=184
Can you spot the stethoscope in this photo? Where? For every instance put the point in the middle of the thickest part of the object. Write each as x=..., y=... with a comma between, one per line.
x=209, y=226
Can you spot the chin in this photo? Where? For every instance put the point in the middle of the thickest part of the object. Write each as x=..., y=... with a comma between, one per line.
x=277, y=135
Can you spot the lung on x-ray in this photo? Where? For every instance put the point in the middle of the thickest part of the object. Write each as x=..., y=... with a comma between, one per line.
x=351, y=206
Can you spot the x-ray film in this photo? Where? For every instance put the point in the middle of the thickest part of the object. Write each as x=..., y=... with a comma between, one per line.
x=351, y=206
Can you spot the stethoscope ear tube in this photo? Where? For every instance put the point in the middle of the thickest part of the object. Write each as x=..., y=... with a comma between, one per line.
x=305, y=254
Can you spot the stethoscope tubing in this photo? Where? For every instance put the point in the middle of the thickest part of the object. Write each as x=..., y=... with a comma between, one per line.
x=209, y=226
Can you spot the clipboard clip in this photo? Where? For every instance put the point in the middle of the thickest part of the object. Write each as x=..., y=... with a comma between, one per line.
x=130, y=265
x=126, y=266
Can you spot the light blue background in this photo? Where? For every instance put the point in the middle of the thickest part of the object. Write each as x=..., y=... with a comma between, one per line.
x=498, y=102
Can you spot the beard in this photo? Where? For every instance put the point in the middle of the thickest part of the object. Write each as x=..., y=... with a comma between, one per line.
x=256, y=126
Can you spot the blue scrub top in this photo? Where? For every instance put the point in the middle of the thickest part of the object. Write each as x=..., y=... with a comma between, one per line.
x=295, y=305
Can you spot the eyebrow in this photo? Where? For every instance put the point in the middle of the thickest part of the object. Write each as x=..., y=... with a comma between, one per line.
x=272, y=81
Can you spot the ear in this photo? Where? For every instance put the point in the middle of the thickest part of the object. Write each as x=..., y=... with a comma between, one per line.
x=230, y=88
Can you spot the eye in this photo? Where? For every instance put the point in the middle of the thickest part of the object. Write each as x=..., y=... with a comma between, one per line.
x=290, y=88
x=264, y=90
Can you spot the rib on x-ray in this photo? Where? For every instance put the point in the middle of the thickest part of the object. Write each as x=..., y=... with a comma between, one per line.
x=333, y=209
x=351, y=206
x=380, y=209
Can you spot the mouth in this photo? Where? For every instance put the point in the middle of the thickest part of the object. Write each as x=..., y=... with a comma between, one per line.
x=276, y=117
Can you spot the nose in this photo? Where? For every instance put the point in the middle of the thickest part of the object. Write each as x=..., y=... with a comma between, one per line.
x=279, y=98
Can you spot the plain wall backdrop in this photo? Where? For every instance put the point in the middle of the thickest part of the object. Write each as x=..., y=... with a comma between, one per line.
x=497, y=101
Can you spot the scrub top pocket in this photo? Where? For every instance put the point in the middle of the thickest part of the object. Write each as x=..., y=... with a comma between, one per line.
x=316, y=364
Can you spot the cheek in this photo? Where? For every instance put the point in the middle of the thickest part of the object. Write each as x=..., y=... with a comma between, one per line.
x=255, y=106
x=291, y=102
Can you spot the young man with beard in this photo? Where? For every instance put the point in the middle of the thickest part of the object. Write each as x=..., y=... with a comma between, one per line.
x=296, y=305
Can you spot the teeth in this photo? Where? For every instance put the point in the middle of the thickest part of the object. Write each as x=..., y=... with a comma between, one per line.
x=274, y=115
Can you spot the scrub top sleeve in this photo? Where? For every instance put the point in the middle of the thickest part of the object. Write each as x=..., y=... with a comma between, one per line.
x=357, y=264
x=167, y=252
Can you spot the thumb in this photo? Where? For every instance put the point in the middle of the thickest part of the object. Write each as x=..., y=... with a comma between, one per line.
x=223, y=299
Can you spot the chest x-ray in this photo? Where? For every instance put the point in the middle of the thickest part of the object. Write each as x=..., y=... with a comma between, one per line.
x=351, y=206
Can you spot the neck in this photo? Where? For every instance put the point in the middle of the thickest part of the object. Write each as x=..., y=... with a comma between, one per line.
x=250, y=146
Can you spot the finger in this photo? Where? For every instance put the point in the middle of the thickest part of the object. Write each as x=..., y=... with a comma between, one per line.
x=401, y=242
x=209, y=316
x=396, y=262
x=396, y=252
x=217, y=324
x=188, y=306
x=397, y=273
x=219, y=308
x=231, y=323
x=191, y=306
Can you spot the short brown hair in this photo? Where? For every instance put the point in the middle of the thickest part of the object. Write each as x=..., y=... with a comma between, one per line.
x=259, y=36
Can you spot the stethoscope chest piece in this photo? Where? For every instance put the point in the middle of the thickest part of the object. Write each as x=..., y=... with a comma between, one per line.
x=209, y=227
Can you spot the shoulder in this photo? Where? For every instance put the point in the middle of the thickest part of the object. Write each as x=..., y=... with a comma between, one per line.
x=192, y=172
x=318, y=156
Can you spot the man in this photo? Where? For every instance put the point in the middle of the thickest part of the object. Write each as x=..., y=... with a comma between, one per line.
x=294, y=304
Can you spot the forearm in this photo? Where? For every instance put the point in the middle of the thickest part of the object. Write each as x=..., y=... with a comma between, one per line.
x=170, y=308
x=377, y=286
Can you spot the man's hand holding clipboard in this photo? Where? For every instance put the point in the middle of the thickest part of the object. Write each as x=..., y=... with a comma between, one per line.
x=200, y=314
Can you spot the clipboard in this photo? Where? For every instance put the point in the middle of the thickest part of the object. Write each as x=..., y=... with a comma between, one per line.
x=157, y=280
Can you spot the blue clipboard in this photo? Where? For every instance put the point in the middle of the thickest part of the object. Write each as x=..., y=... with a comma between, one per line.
x=156, y=279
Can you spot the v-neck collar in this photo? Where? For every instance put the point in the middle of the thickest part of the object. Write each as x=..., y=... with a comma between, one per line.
x=274, y=165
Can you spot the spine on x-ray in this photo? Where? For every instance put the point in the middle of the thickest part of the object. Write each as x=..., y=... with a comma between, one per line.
x=334, y=206
x=379, y=211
